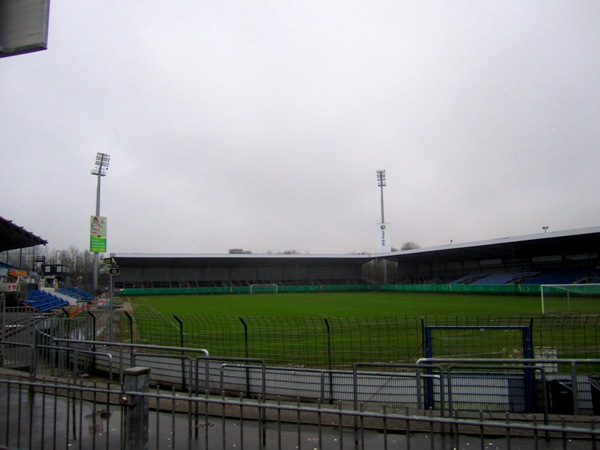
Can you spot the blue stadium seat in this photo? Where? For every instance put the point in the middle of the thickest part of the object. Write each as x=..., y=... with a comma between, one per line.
x=43, y=301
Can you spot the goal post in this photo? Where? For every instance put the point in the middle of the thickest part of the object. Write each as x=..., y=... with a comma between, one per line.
x=549, y=291
x=264, y=288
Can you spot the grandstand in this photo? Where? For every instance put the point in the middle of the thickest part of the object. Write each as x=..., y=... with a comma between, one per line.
x=554, y=257
x=543, y=258
x=160, y=271
x=19, y=286
x=509, y=262
x=76, y=294
x=12, y=274
x=43, y=301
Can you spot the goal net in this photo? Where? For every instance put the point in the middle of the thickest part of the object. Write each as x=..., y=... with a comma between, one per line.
x=573, y=298
x=264, y=288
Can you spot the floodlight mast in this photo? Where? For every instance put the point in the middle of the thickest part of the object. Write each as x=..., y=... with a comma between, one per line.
x=99, y=170
x=381, y=184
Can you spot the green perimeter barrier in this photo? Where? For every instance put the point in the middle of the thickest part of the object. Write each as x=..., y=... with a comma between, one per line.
x=245, y=290
x=526, y=289
x=510, y=289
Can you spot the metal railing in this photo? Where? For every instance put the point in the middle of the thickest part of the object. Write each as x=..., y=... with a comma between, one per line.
x=439, y=384
x=577, y=394
x=73, y=415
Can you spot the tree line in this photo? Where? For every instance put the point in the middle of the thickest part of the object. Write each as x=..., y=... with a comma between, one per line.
x=76, y=264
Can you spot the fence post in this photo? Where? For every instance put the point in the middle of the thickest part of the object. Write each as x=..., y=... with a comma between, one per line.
x=329, y=359
x=329, y=350
x=3, y=331
x=181, y=344
x=246, y=353
x=130, y=326
x=93, y=337
x=135, y=411
x=246, y=348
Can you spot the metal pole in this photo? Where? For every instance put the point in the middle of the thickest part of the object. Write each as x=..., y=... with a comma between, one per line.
x=96, y=255
x=382, y=211
x=3, y=331
x=102, y=161
x=135, y=408
x=110, y=308
x=381, y=183
x=543, y=303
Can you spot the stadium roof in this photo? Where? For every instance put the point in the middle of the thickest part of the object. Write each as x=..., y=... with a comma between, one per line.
x=13, y=237
x=252, y=259
x=569, y=242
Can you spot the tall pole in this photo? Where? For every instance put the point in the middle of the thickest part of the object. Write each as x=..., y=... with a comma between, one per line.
x=96, y=255
x=381, y=183
x=110, y=309
x=102, y=160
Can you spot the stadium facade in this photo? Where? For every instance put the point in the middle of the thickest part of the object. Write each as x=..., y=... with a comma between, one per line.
x=232, y=270
x=570, y=256
x=562, y=256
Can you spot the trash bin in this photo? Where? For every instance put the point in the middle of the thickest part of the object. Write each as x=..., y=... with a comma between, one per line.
x=595, y=388
x=561, y=396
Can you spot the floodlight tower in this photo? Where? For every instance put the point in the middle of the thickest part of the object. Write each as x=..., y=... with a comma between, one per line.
x=99, y=170
x=381, y=184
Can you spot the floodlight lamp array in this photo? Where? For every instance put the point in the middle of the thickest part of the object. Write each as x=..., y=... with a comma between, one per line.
x=381, y=178
x=102, y=161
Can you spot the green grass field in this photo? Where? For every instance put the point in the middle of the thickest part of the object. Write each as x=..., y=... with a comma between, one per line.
x=337, y=329
x=350, y=304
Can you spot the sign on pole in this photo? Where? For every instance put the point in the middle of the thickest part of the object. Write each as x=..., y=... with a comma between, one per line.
x=383, y=241
x=98, y=234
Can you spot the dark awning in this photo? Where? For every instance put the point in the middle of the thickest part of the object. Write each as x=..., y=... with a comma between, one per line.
x=13, y=237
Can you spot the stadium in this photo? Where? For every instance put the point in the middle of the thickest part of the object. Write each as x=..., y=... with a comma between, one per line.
x=544, y=258
x=387, y=358
x=487, y=344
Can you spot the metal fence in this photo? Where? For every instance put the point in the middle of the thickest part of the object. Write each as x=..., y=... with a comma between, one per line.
x=219, y=401
x=431, y=384
x=339, y=342
x=48, y=415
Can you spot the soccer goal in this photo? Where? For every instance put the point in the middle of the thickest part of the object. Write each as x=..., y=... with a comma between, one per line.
x=264, y=288
x=558, y=298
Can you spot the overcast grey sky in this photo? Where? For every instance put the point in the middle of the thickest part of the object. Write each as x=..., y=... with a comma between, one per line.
x=261, y=124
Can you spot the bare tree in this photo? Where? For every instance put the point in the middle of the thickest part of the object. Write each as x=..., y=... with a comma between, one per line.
x=78, y=264
x=410, y=245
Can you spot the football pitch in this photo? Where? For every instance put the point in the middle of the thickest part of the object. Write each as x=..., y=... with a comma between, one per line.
x=338, y=329
x=361, y=304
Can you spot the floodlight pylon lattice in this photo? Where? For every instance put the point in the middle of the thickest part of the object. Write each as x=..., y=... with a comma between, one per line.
x=99, y=170
x=381, y=183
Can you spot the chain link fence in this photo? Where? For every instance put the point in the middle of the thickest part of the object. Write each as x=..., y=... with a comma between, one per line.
x=334, y=342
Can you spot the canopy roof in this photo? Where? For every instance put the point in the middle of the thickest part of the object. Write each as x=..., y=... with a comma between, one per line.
x=232, y=260
x=13, y=237
x=569, y=242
